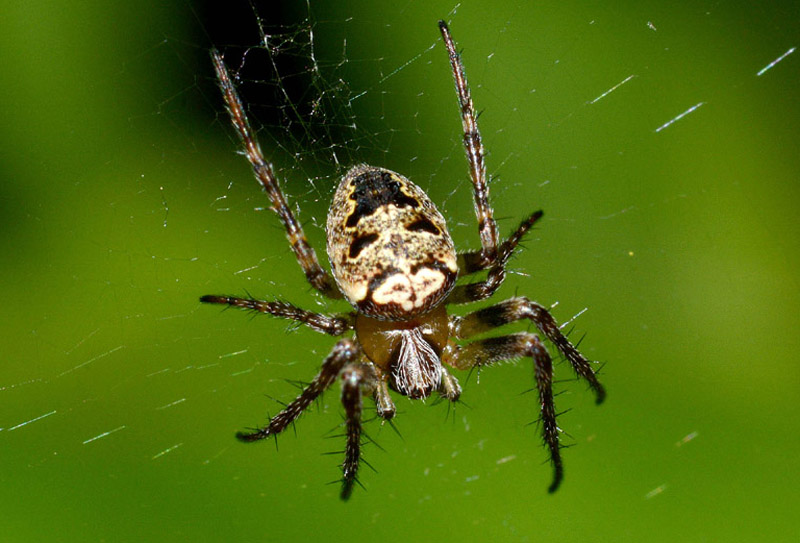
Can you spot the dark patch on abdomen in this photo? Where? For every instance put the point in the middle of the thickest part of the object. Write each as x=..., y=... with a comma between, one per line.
x=423, y=225
x=373, y=189
x=361, y=243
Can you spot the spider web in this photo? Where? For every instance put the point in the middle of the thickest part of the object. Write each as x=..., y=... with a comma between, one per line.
x=300, y=98
x=312, y=98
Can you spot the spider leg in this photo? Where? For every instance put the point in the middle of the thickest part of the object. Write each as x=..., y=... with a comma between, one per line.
x=334, y=325
x=487, y=351
x=470, y=262
x=449, y=388
x=357, y=380
x=489, y=256
x=480, y=290
x=487, y=227
x=516, y=309
x=343, y=353
x=383, y=400
x=265, y=175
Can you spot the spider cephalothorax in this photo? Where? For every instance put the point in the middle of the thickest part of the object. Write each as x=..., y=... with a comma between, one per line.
x=394, y=261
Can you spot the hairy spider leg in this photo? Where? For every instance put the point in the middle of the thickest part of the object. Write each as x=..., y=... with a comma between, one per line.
x=306, y=257
x=487, y=227
x=344, y=352
x=487, y=351
x=469, y=262
x=334, y=325
x=516, y=309
x=480, y=290
x=489, y=256
x=357, y=380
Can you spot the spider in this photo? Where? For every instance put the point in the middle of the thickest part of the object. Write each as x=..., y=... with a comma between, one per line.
x=394, y=261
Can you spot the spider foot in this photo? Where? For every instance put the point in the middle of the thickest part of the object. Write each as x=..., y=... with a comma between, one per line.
x=249, y=437
x=348, y=483
x=558, y=475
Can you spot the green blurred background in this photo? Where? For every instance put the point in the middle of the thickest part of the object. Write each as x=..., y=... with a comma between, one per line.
x=124, y=199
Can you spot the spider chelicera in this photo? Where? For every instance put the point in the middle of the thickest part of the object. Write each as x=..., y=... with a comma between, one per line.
x=394, y=261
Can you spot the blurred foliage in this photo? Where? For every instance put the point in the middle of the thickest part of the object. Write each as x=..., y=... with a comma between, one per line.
x=124, y=199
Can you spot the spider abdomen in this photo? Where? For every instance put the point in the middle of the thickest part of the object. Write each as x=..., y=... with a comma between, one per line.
x=389, y=248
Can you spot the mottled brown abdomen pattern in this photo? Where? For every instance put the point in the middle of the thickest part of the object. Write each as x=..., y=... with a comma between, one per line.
x=389, y=247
